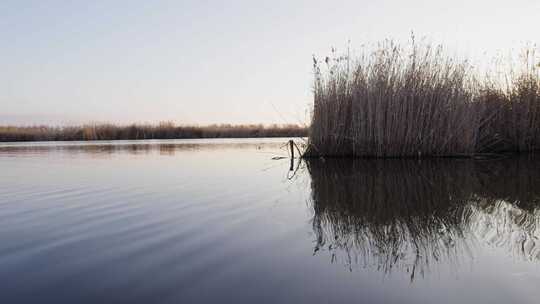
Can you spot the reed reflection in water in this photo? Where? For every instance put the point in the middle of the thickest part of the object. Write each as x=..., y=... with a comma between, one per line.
x=137, y=147
x=410, y=215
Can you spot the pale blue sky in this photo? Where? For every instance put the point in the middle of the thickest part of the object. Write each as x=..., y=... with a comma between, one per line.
x=213, y=61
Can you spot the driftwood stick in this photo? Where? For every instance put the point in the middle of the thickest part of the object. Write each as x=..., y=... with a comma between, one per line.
x=291, y=144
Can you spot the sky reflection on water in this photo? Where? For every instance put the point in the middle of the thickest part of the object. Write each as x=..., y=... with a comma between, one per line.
x=208, y=221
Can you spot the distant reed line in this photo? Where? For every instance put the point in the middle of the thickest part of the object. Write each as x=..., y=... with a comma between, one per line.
x=164, y=130
x=395, y=101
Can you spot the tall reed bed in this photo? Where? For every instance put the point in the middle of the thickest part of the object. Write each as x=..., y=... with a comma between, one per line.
x=400, y=101
x=510, y=108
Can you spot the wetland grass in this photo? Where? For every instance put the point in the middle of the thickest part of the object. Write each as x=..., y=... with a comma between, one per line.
x=416, y=101
x=164, y=130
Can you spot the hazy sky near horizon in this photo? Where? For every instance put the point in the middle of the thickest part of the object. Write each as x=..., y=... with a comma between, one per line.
x=213, y=61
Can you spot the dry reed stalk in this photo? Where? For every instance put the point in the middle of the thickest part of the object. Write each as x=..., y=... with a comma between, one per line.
x=416, y=101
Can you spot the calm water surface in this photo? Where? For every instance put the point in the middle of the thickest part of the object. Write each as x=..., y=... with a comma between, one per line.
x=220, y=221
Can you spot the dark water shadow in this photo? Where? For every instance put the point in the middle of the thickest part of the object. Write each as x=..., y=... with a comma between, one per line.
x=409, y=215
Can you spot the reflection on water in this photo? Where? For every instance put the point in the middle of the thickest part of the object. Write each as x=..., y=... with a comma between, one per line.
x=137, y=147
x=408, y=215
x=212, y=221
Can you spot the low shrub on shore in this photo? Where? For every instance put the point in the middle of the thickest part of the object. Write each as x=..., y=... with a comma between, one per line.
x=164, y=130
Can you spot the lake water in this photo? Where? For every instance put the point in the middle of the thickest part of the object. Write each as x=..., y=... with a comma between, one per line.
x=220, y=221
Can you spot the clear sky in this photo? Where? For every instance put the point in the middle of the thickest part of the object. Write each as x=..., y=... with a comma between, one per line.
x=213, y=61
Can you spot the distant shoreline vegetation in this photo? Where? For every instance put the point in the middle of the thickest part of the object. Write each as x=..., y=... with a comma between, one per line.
x=163, y=130
x=412, y=101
